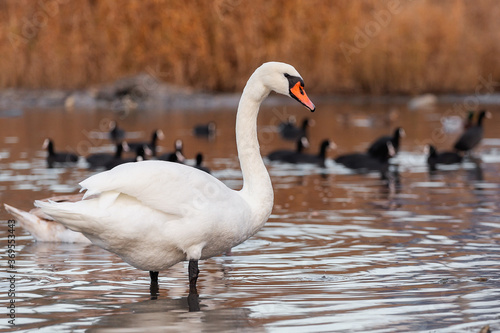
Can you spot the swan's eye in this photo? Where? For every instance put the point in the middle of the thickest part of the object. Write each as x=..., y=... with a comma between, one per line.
x=293, y=80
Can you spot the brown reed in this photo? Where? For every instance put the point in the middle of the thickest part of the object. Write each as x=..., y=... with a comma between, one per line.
x=343, y=46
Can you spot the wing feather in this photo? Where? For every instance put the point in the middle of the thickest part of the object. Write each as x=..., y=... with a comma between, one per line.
x=172, y=188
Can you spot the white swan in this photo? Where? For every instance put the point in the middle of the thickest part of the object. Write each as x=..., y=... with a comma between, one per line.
x=154, y=214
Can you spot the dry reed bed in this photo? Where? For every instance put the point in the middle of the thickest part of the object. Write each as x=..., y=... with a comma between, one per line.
x=344, y=46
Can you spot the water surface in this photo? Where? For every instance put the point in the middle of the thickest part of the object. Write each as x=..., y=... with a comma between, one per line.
x=342, y=252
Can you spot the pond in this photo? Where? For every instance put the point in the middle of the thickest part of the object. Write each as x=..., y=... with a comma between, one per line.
x=341, y=252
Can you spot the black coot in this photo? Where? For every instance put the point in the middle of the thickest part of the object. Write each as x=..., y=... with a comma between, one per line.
x=318, y=158
x=379, y=148
x=448, y=157
x=176, y=155
x=58, y=158
x=116, y=134
x=140, y=151
x=157, y=135
x=364, y=162
x=199, y=163
x=205, y=130
x=289, y=131
x=101, y=159
x=473, y=135
x=286, y=155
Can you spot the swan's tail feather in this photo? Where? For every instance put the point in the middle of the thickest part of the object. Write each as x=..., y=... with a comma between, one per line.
x=29, y=222
x=45, y=231
x=66, y=213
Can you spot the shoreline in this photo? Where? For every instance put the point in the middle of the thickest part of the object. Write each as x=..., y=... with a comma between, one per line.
x=144, y=92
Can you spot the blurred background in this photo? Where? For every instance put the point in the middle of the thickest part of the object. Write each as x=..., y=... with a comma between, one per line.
x=342, y=47
x=407, y=243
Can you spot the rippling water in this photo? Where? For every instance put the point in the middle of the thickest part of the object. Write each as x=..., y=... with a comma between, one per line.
x=342, y=252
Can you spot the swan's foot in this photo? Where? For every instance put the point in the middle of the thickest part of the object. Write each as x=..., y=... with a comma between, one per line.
x=154, y=288
x=193, y=302
x=193, y=276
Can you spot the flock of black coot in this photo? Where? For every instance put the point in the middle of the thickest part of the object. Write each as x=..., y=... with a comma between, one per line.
x=141, y=150
x=289, y=130
x=374, y=159
x=380, y=151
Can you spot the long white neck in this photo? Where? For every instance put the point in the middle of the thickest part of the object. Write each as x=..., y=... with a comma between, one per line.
x=257, y=188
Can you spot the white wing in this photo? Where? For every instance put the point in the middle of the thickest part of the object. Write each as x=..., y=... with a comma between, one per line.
x=172, y=188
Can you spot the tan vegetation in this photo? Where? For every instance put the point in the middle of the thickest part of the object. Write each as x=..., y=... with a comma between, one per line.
x=343, y=46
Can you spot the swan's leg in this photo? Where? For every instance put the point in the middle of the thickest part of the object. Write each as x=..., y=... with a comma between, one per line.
x=193, y=276
x=154, y=277
x=153, y=288
x=193, y=302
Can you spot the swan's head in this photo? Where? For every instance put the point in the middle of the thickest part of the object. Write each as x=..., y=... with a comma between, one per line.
x=284, y=79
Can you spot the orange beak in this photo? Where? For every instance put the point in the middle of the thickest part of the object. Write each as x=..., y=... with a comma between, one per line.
x=298, y=92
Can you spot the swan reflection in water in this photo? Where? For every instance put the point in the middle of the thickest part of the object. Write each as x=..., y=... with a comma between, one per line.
x=193, y=299
x=170, y=315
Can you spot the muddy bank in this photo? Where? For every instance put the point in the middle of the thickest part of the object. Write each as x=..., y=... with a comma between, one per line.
x=144, y=92
x=141, y=92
